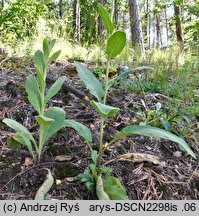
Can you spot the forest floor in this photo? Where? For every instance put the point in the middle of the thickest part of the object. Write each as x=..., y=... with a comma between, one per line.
x=157, y=170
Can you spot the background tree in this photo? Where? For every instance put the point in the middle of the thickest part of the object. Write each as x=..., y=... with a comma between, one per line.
x=179, y=32
x=136, y=29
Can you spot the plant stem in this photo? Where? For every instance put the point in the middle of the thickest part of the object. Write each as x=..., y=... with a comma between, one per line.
x=106, y=81
x=41, y=128
x=102, y=120
x=100, y=142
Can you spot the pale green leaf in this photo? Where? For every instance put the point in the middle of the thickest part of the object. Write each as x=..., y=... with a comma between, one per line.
x=44, y=121
x=54, y=56
x=94, y=156
x=24, y=141
x=40, y=77
x=114, y=189
x=39, y=61
x=104, y=111
x=55, y=88
x=81, y=129
x=45, y=187
x=101, y=194
x=153, y=132
x=18, y=128
x=32, y=88
x=108, y=25
x=46, y=50
x=23, y=136
x=58, y=115
x=91, y=82
x=116, y=44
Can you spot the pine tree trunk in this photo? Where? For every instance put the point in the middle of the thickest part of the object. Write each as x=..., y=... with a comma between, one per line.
x=136, y=29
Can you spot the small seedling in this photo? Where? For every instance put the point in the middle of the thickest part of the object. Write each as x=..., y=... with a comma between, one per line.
x=99, y=177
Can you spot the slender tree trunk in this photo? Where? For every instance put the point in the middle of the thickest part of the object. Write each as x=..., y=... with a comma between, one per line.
x=100, y=23
x=166, y=25
x=77, y=21
x=158, y=33
x=136, y=29
x=179, y=34
x=116, y=14
x=60, y=8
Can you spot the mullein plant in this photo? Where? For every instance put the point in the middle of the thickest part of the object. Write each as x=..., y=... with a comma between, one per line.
x=98, y=177
x=51, y=119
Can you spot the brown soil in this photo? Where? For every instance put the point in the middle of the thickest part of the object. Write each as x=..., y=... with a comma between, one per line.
x=175, y=177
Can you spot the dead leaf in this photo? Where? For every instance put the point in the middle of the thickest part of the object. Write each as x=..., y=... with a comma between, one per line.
x=63, y=158
x=139, y=158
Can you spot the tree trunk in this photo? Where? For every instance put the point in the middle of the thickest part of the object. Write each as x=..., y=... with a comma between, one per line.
x=77, y=22
x=158, y=33
x=136, y=30
x=179, y=34
x=100, y=23
x=166, y=25
x=60, y=8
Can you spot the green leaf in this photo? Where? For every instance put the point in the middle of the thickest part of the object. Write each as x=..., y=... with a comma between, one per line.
x=44, y=121
x=58, y=115
x=46, y=50
x=153, y=132
x=81, y=129
x=54, y=56
x=116, y=44
x=24, y=141
x=40, y=77
x=32, y=88
x=55, y=88
x=114, y=189
x=104, y=111
x=94, y=156
x=13, y=144
x=91, y=82
x=39, y=61
x=101, y=194
x=23, y=136
x=108, y=25
x=51, y=43
x=45, y=187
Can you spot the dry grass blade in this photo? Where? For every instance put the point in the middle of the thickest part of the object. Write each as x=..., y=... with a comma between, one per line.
x=139, y=158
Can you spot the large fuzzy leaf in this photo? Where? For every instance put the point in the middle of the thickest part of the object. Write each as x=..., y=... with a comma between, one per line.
x=106, y=19
x=114, y=189
x=55, y=88
x=23, y=136
x=58, y=115
x=104, y=111
x=81, y=129
x=34, y=95
x=91, y=82
x=116, y=44
x=153, y=132
x=45, y=187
